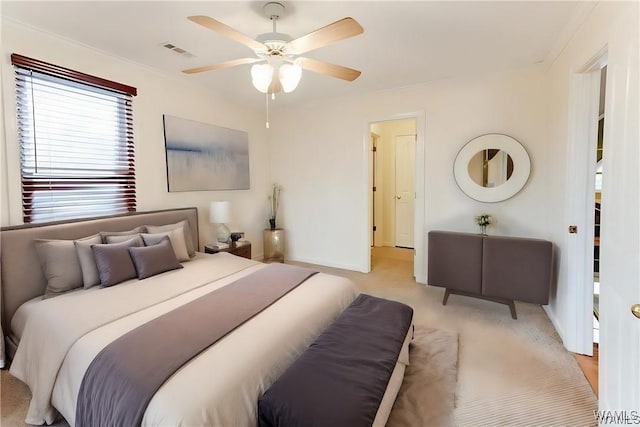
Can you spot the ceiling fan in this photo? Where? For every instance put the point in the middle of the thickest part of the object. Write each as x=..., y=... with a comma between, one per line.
x=278, y=64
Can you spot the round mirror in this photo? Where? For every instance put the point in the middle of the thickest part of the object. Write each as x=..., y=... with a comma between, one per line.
x=492, y=168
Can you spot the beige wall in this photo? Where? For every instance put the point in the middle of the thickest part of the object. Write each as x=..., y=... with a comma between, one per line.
x=157, y=95
x=320, y=154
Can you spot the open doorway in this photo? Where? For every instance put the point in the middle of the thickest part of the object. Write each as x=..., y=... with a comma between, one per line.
x=392, y=208
x=586, y=206
x=598, y=208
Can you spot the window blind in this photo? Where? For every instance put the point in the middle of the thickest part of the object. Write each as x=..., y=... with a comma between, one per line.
x=76, y=143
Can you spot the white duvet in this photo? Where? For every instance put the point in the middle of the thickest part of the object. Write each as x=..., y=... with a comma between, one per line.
x=220, y=387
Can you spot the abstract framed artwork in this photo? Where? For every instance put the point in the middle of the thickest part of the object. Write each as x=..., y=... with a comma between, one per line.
x=204, y=157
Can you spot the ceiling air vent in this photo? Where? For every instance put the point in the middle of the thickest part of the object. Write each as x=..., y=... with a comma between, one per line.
x=177, y=49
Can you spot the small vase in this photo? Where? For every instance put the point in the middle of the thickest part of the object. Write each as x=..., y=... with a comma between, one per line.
x=272, y=223
x=483, y=230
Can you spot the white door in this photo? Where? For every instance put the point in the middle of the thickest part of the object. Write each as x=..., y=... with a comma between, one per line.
x=405, y=149
x=619, y=374
x=497, y=169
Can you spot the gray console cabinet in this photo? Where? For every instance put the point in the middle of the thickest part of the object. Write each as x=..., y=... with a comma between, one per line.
x=500, y=269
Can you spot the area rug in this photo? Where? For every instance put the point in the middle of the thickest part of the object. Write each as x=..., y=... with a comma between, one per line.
x=426, y=397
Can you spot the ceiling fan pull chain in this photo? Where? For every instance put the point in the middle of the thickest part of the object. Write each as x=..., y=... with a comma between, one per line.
x=266, y=96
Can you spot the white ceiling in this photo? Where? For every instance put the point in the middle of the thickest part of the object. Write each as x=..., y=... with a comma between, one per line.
x=404, y=43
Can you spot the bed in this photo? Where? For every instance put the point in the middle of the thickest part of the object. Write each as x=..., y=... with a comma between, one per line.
x=52, y=341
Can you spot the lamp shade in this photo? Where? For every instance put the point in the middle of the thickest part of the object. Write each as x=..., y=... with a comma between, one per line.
x=261, y=75
x=289, y=75
x=220, y=212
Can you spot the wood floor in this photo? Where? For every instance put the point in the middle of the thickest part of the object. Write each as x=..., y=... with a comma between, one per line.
x=589, y=366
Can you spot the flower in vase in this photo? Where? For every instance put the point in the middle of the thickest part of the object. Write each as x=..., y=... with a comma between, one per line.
x=484, y=220
x=274, y=201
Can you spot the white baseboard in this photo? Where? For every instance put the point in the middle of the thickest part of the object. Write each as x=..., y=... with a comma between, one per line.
x=556, y=325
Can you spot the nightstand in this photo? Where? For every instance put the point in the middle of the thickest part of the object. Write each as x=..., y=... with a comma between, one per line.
x=243, y=249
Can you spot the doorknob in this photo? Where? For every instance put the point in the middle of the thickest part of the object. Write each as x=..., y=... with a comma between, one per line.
x=635, y=309
x=398, y=197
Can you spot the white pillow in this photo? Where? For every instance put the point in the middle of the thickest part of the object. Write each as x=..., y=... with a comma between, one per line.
x=119, y=238
x=182, y=225
x=106, y=234
x=176, y=237
x=90, y=275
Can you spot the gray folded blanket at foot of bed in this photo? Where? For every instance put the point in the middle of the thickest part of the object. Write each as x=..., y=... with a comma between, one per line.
x=340, y=380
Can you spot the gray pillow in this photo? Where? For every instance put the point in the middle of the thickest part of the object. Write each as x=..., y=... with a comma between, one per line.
x=113, y=261
x=154, y=259
x=137, y=230
x=176, y=237
x=186, y=230
x=90, y=276
x=60, y=265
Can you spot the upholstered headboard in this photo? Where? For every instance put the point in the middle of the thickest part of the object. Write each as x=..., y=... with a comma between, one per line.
x=21, y=277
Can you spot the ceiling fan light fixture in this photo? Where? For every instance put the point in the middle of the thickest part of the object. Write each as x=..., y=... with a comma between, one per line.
x=289, y=75
x=261, y=75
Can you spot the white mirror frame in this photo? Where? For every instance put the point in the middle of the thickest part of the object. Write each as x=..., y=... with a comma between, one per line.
x=519, y=177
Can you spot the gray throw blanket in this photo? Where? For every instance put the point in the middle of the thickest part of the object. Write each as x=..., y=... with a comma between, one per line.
x=124, y=376
x=340, y=380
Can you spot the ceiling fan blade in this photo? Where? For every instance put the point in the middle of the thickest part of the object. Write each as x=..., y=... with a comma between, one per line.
x=339, y=30
x=221, y=65
x=328, y=69
x=227, y=31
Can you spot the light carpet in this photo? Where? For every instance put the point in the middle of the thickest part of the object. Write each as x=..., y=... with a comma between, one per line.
x=510, y=372
x=426, y=397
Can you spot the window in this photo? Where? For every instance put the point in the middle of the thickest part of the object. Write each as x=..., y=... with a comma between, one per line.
x=76, y=143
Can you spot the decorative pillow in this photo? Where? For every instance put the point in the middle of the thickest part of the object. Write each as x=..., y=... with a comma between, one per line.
x=154, y=259
x=177, y=242
x=113, y=261
x=90, y=276
x=137, y=230
x=186, y=230
x=60, y=266
x=121, y=238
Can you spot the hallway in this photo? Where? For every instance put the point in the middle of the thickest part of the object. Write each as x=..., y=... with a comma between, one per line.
x=396, y=264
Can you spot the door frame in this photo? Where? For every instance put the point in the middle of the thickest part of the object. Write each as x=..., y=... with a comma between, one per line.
x=419, y=262
x=580, y=205
x=374, y=138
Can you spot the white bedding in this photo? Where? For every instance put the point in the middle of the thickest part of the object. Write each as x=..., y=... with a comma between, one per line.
x=220, y=387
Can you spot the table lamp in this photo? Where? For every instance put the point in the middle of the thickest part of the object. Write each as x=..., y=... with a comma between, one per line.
x=220, y=213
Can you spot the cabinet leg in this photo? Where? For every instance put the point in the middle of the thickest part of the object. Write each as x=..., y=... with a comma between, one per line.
x=446, y=296
x=512, y=308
